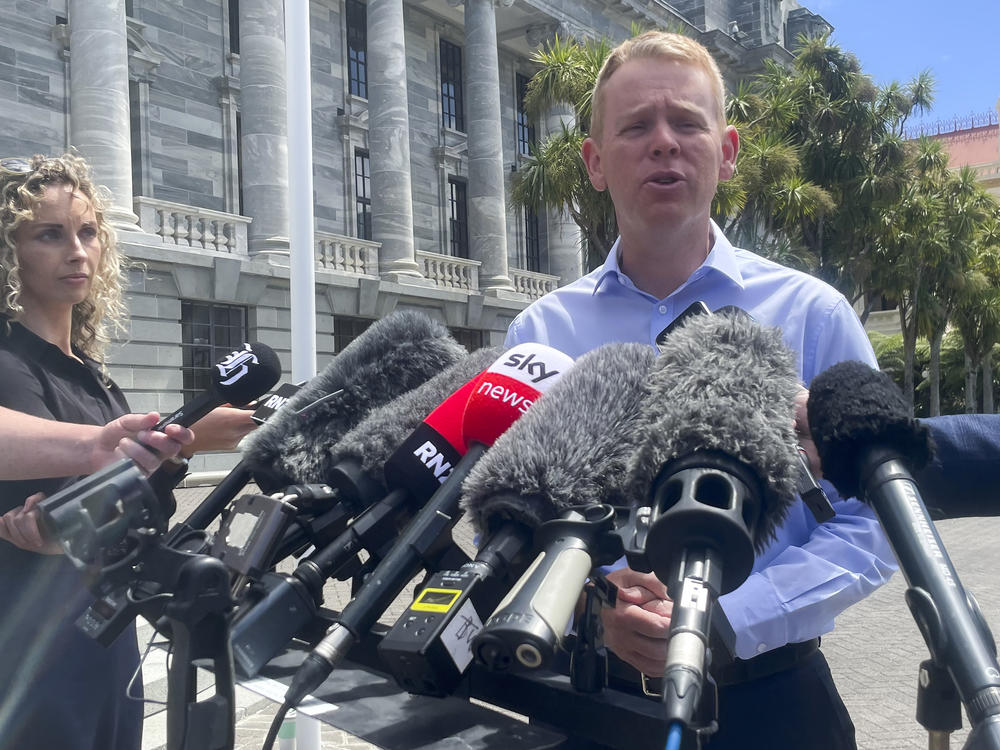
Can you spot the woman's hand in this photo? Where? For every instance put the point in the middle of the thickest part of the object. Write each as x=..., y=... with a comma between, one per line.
x=21, y=528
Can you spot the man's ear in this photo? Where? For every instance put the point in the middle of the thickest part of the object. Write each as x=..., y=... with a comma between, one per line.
x=591, y=154
x=730, y=149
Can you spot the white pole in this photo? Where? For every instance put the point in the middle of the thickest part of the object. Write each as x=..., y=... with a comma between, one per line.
x=300, y=190
x=302, y=284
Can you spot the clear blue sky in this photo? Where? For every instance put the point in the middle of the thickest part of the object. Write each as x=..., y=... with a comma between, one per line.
x=896, y=39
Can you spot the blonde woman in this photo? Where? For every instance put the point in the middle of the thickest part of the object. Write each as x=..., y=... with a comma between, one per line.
x=60, y=291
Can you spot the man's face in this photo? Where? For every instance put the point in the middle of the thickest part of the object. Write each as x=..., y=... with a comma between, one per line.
x=662, y=151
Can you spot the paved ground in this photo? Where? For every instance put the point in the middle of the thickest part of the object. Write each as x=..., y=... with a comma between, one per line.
x=874, y=652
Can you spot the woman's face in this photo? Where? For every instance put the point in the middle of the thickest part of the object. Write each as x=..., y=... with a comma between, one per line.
x=58, y=252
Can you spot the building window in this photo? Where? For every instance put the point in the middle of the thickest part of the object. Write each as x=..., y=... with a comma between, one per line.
x=458, y=218
x=452, y=109
x=532, y=244
x=525, y=130
x=209, y=332
x=470, y=338
x=362, y=193
x=234, y=27
x=239, y=163
x=357, y=47
x=346, y=329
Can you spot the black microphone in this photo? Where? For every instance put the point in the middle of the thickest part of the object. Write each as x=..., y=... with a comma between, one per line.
x=237, y=379
x=394, y=355
x=557, y=469
x=869, y=445
x=375, y=506
x=498, y=397
x=718, y=468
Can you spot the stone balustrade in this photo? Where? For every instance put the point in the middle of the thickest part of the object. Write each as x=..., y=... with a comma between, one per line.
x=449, y=272
x=189, y=226
x=533, y=284
x=347, y=254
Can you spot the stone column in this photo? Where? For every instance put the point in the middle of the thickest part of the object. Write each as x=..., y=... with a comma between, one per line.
x=389, y=141
x=99, y=110
x=565, y=243
x=264, y=129
x=487, y=204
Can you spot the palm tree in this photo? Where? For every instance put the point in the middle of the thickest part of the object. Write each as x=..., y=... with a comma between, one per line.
x=554, y=175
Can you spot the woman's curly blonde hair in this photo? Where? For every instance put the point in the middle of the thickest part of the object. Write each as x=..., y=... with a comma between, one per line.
x=20, y=194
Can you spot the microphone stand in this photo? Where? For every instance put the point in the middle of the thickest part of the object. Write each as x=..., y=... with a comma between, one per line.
x=963, y=652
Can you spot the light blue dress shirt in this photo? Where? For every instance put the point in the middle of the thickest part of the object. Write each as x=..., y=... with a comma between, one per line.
x=811, y=572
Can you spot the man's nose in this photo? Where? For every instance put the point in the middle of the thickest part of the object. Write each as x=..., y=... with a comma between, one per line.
x=664, y=139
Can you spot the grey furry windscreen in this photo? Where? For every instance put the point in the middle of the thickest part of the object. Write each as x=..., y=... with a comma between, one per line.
x=723, y=383
x=570, y=448
x=395, y=355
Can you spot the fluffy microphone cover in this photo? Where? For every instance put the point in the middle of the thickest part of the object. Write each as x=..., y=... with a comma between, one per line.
x=569, y=448
x=723, y=383
x=395, y=355
x=377, y=437
x=853, y=407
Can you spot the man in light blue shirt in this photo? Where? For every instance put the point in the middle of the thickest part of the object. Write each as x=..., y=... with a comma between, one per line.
x=659, y=143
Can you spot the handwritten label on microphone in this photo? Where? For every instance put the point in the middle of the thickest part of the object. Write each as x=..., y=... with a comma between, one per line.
x=457, y=636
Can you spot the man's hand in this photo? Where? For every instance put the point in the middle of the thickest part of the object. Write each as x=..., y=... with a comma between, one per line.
x=126, y=436
x=638, y=628
x=804, y=435
x=20, y=527
x=220, y=430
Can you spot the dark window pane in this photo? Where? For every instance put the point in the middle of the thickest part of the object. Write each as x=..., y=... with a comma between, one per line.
x=357, y=47
x=346, y=329
x=525, y=130
x=532, y=246
x=234, y=26
x=208, y=333
x=362, y=189
x=458, y=218
x=452, y=109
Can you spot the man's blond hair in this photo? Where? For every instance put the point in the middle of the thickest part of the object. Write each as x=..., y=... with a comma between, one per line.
x=657, y=45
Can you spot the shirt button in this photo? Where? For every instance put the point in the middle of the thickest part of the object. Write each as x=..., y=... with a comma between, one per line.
x=662, y=309
x=761, y=648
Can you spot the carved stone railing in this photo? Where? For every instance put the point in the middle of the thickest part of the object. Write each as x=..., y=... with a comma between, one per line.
x=189, y=226
x=347, y=254
x=449, y=272
x=533, y=284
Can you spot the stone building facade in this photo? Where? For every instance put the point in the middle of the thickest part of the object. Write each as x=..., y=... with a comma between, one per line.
x=417, y=130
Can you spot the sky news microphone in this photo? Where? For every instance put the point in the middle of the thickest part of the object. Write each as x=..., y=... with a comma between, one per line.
x=373, y=506
x=716, y=472
x=393, y=356
x=499, y=396
x=557, y=469
x=869, y=445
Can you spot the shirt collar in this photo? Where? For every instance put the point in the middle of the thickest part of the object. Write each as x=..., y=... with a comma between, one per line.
x=721, y=259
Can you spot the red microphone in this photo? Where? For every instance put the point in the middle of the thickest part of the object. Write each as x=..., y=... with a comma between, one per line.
x=425, y=460
x=506, y=390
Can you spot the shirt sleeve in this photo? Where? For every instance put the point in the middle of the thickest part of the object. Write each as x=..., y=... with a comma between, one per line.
x=813, y=572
